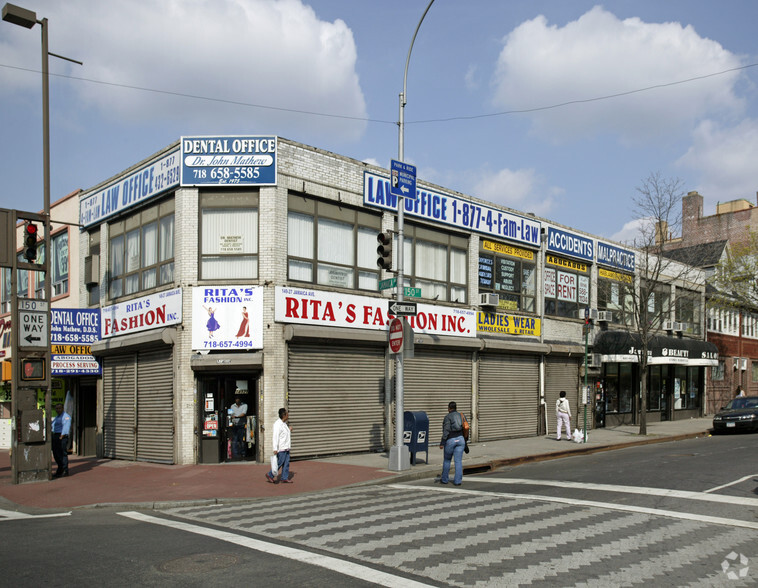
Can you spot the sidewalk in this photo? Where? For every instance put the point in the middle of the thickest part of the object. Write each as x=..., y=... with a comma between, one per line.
x=103, y=482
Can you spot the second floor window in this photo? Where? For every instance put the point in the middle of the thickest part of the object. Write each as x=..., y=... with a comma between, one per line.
x=615, y=294
x=142, y=251
x=567, y=287
x=688, y=310
x=509, y=272
x=229, y=242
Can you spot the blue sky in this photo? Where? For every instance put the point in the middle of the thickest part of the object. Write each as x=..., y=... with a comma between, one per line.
x=483, y=77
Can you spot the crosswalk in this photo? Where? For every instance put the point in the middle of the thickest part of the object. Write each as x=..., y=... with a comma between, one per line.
x=479, y=535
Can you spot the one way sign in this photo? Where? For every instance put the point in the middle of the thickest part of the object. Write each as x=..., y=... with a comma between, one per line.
x=403, y=179
x=33, y=329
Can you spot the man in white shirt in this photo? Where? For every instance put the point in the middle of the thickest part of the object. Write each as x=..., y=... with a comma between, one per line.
x=281, y=447
x=238, y=412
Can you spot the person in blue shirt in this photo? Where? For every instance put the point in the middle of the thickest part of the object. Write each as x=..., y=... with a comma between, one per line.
x=61, y=430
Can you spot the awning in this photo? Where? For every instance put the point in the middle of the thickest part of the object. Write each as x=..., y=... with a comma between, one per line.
x=625, y=347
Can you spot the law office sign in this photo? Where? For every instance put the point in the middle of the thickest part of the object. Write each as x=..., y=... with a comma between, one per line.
x=229, y=161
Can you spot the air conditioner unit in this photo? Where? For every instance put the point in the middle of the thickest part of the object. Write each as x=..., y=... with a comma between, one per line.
x=668, y=325
x=92, y=269
x=594, y=360
x=679, y=327
x=590, y=313
x=605, y=316
x=489, y=299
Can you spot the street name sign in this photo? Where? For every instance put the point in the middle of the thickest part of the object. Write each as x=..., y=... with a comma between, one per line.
x=403, y=180
x=402, y=308
x=412, y=292
x=388, y=283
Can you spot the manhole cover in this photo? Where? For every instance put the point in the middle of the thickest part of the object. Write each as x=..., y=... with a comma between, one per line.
x=201, y=562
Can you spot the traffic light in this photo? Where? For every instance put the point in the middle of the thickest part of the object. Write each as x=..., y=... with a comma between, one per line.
x=6, y=371
x=384, y=250
x=30, y=242
x=32, y=368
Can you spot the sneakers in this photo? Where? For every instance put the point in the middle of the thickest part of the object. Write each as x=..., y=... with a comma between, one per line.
x=270, y=478
x=286, y=481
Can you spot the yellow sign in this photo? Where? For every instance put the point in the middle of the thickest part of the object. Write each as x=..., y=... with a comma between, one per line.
x=71, y=350
x=619, y=277
x=507, y=324
x=567, y=263
x=508, y=250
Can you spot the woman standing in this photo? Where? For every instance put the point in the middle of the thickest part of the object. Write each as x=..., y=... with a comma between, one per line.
x=563, y=415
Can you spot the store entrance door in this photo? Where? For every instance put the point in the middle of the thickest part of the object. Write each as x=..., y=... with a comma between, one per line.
x=225, y=437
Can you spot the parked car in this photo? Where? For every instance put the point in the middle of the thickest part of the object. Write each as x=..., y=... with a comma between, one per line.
x=739, y=415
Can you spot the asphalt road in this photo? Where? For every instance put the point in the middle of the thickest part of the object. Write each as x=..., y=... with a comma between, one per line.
x=672, y=514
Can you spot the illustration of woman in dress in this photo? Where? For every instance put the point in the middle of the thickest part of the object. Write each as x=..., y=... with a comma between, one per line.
x=244, y=330
x=212, y=324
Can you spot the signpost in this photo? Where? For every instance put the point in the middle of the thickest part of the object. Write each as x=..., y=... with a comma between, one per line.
x=396, y=335
x=403, y=181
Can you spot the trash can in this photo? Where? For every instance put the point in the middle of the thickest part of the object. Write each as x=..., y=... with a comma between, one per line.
x=416, y=433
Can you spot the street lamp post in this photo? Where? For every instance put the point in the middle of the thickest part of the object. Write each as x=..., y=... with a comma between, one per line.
x=399, y=457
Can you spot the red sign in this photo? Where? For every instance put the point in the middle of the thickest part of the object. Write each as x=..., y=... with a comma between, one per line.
x=396, y=335
x=211, y=425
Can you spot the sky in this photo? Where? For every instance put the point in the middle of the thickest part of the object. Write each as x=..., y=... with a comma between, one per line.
x=561, y=109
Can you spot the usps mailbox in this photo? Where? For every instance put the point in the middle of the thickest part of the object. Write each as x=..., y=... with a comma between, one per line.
x=416, y=433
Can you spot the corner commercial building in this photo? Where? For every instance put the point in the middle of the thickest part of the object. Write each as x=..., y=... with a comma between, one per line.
x=246, y=266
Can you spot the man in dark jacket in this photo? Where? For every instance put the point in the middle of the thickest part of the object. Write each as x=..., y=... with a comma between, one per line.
x=452, y=444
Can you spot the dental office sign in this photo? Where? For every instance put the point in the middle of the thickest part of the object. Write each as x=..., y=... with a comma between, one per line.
x=451, y=210
x=228, y=161
x=131, y=190
x=332, y=309
x=142, y=314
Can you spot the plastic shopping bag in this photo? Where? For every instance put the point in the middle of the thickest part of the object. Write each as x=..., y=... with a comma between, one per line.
x=274, y=465
x=578, y=436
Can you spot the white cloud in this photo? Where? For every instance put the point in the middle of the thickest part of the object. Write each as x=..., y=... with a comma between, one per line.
x=724, y=159
x=599, y=54
x=264, y=52
x=520, y=189
x=632, y=232
x=471, y=79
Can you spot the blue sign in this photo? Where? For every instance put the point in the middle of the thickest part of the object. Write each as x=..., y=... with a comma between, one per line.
x=570, y=244
x=72, y=331
x=229, y=161
x=403, y=179
x=131, y=190
x=613, y=256
x=455, y=211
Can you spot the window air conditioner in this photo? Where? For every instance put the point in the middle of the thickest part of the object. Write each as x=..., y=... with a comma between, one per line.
x=679, y=327
x=591, y=313
x=594, y=361
x=488, y=299
x=605, y=316
x=668, y=325
x=92, y=269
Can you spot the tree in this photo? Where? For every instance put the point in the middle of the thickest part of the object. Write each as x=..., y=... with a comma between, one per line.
x=735, y=279
x=649, y=301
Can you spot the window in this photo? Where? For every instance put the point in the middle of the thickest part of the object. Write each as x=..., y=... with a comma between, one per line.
x=5, y=290
x=332, y=245
x=658, y=307
x=754, y=370
x=688, y=310
x=615, y=294
x=717, y=372
x=686, y=388
x=229, y=242
x=656, y=390
x=59, y=264
x=567, y=287
x=93, y=291
x=142, y=251
x=39, y=277
x=509, y=272
x=618, y=381
x=437, y=263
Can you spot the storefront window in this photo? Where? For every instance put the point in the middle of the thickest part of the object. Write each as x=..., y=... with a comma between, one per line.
x=142, y=251
x=618, y=385
x=567, y=287
x=614, y=294
x=229, y=236
x=688, y=310
x=509, y=272
x=657, y=388
x=332, y=245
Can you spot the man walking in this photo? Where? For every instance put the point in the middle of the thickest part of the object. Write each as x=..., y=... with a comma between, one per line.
x=61, y=429
x=453, y=444
x=281, y=446
x=563, y=415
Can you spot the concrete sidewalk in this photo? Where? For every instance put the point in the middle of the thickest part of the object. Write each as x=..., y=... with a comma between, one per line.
x=103, y=482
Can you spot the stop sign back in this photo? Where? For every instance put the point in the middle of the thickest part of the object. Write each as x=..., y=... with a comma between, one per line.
x=396, y=335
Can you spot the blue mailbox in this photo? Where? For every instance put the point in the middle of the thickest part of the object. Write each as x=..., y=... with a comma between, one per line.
x=416, y=433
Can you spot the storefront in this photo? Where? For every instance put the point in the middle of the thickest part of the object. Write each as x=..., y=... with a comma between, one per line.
x=675, y=380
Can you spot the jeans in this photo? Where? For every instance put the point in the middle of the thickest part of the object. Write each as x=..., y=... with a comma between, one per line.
x=283, y=462
x=453, y=449
x=238, y=440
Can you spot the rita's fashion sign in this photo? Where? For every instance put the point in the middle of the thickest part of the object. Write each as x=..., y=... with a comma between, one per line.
x=228, y=317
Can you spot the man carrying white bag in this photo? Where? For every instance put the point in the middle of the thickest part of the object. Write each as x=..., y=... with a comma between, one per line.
x=281, y=445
